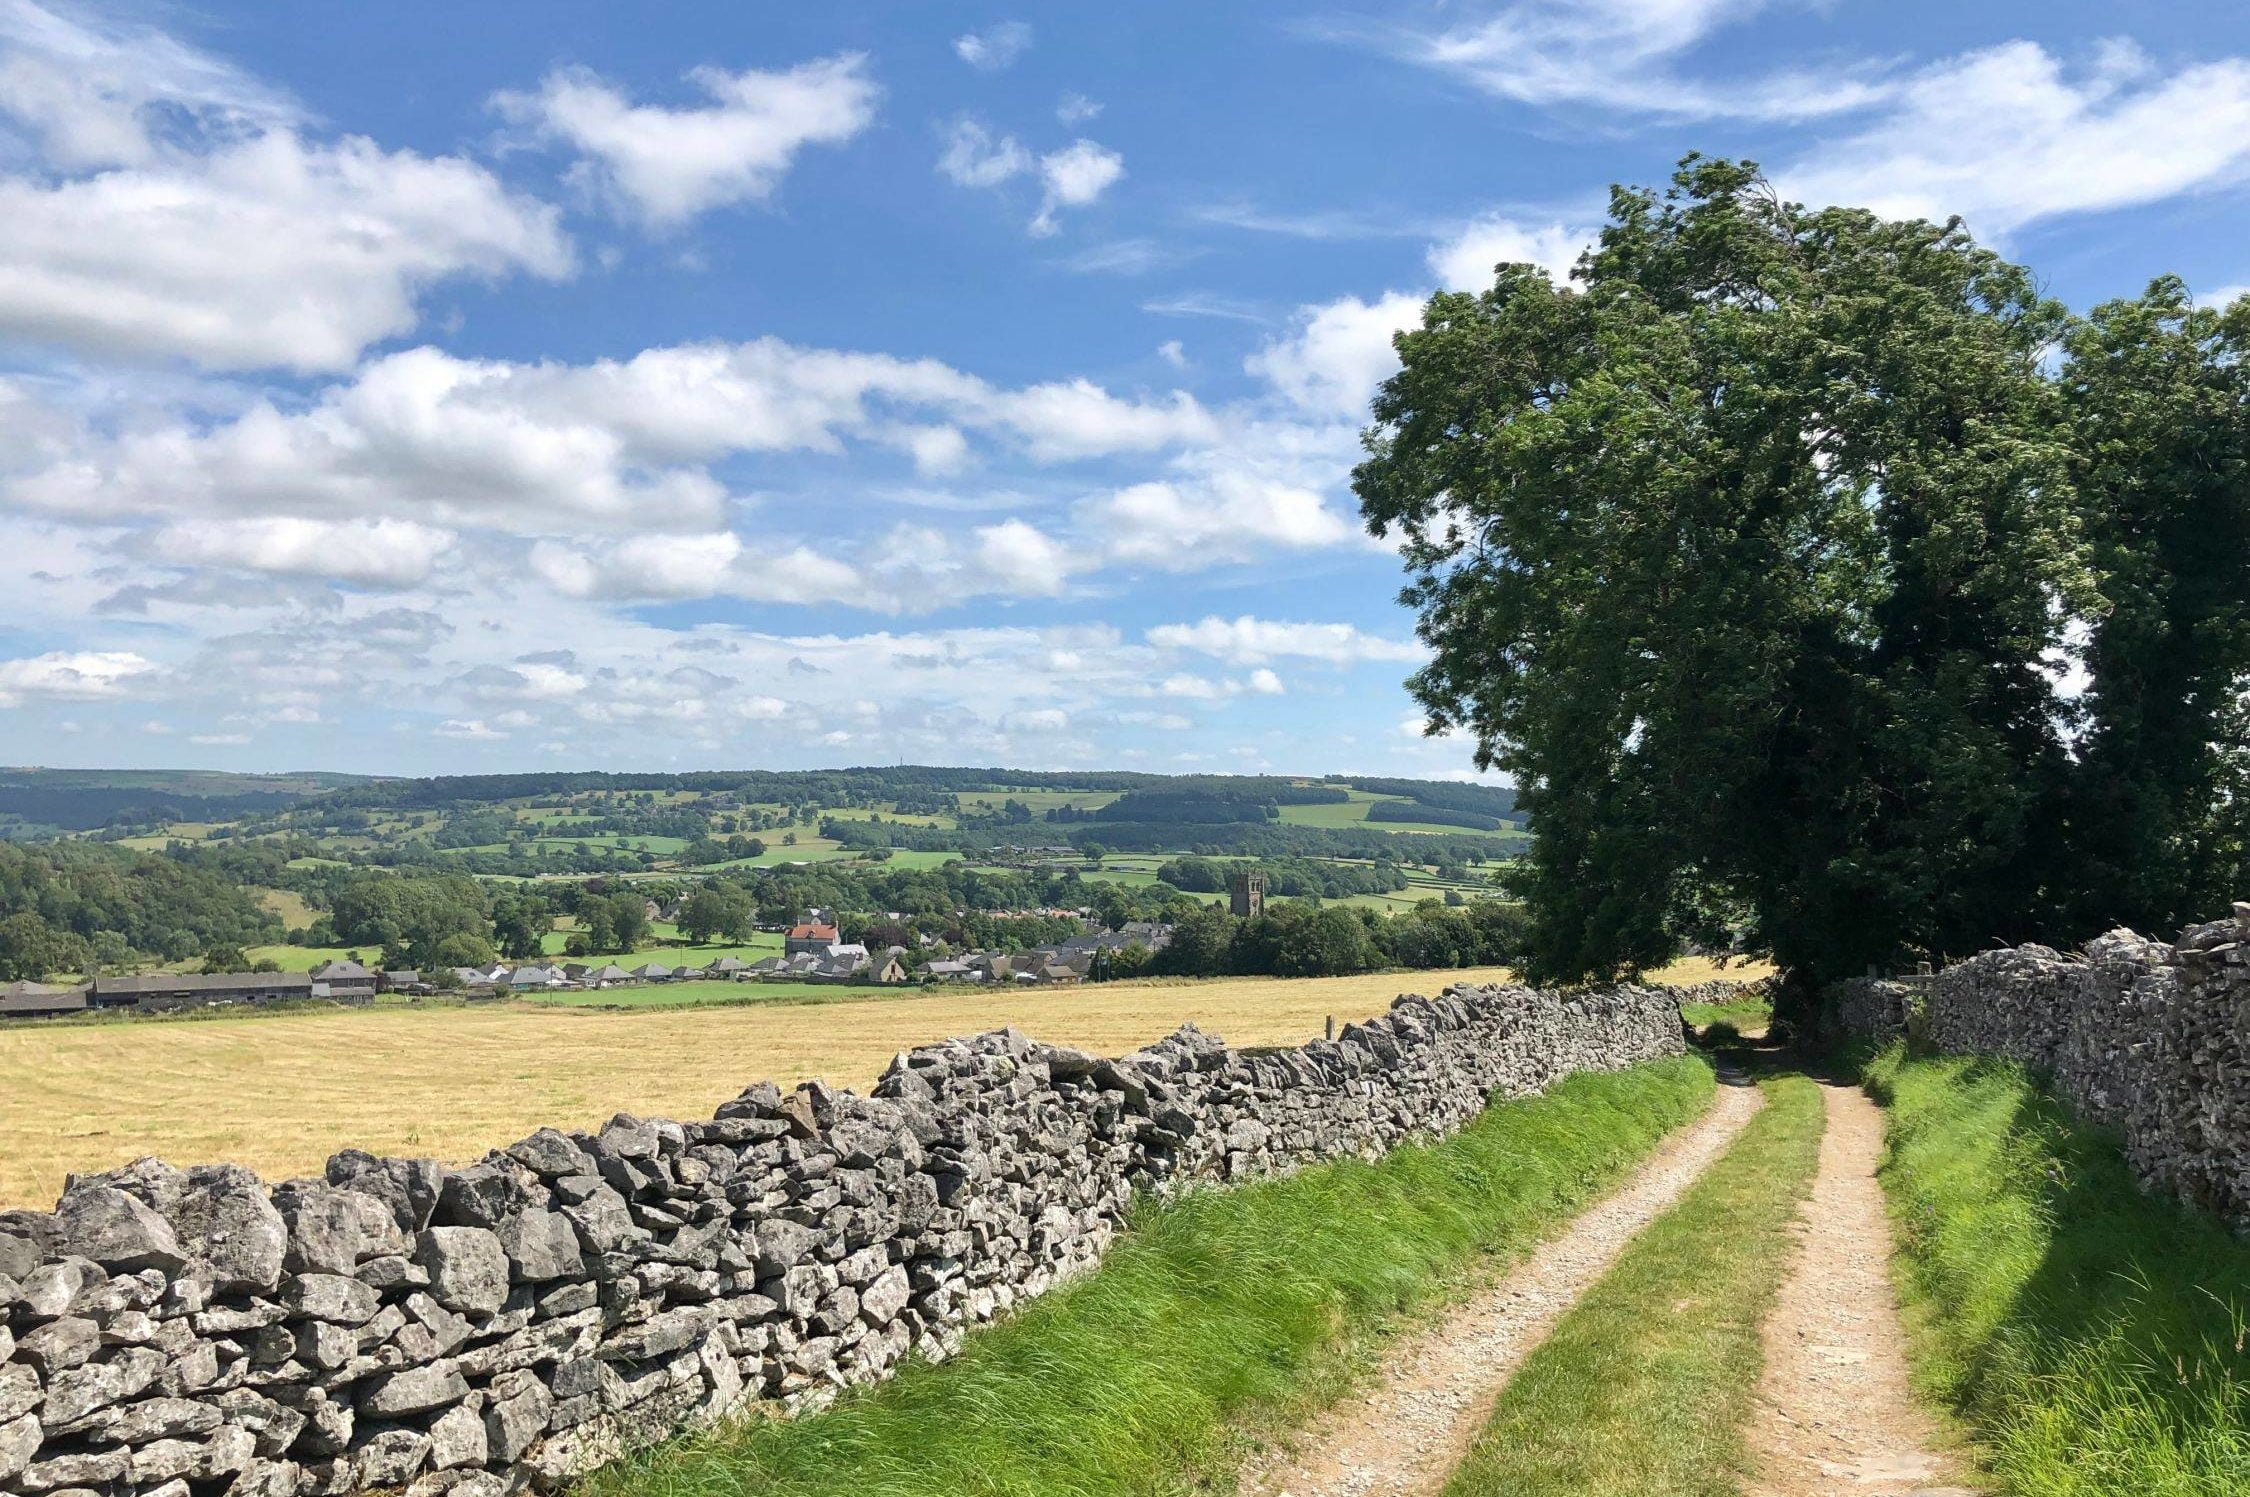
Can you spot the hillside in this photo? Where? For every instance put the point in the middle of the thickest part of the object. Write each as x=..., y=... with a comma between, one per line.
x=127, y=870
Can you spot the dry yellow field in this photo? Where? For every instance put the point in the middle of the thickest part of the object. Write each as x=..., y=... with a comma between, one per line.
x=282, y=1093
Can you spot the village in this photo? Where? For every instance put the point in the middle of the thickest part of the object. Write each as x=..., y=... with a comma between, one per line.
x=813, y=952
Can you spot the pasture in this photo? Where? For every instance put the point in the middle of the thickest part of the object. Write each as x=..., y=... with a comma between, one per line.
x=281, y=1092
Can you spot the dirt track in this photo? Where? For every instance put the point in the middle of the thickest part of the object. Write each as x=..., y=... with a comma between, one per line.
x=1834, y=1413
x=1406, y=1435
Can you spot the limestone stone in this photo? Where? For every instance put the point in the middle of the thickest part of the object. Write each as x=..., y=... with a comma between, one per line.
x=468, y=1268
x=116, y=1230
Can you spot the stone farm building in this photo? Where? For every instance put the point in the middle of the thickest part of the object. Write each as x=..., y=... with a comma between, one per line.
x=163, y=990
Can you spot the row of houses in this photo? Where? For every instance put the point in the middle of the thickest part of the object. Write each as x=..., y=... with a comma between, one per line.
x=1073, y=960
x=575, y=976
x=811, y=952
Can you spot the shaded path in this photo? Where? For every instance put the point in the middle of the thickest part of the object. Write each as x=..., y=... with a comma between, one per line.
x=1834, y=1413
x=1405, y=1435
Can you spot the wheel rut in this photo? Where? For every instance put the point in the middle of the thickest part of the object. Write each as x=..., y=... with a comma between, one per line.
x=1407, y=1433
x=1835, y=1416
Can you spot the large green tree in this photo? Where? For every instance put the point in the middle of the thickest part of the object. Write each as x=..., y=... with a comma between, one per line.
x=2158, y=395
x=1745, y=555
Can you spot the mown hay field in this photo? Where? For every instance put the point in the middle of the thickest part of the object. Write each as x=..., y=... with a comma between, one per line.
x=282, y=1092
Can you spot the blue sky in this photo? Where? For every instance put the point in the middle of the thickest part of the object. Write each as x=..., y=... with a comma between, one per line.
x=424, y=389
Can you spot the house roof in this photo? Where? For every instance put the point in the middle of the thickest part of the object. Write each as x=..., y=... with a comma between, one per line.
x=331, y=971
x=39, y=998
x=812, y=932
x=203, y=982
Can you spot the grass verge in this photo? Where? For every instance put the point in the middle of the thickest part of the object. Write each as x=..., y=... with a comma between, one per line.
x=1224, y=1311
x=2091, y=1336
x=1645, y=1386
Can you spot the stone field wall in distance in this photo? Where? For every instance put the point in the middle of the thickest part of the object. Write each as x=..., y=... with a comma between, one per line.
x=2148, y=1038
x=398, y=1324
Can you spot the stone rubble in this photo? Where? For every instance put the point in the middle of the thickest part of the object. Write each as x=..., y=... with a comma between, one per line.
x=477, y=1331
x=2147, y=1038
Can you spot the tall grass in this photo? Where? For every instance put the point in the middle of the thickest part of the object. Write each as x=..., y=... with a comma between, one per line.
x=2091, y=1336
x=1225, y=1311
x=1646, y=1385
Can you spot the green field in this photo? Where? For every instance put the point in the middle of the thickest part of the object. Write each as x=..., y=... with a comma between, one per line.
x=1351, y=813
x=906, y=857
x=986, y=802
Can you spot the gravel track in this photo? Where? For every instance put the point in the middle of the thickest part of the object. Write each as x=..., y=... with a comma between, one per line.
x=1834, y=1413
x=1406, y=1434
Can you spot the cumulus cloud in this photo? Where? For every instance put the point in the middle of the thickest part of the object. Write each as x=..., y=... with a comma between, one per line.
x=226, y=236
x=273, y=251
x=1336, y=354
x=996, y=48
x=1074, y=177
x=1220, y=516
x=1075, y=109
x=664, y=166
x=71, y=675
x=542, y=449
x=1249, y=640
x=1464, y=260
x=380, y=552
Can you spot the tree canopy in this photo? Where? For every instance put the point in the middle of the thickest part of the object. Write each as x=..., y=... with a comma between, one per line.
x=1770, y=554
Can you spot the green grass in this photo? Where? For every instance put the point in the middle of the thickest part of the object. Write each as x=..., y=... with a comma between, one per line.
x=1645, y=1386
x=1749, y=1014
x=2090, y=1336
x=1225, y=1311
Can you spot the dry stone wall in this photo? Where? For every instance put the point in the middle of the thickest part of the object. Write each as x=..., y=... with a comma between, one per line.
x=2148, y=1038
x=476, y=1331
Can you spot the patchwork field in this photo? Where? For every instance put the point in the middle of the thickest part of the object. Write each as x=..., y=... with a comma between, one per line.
x=280, y=1093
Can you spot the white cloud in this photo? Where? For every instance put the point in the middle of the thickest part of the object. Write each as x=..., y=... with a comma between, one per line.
x=71, y=675
x=1464, y=261
x=1022, y=558
x=995, y=48
x=1619, y=55
x=1078, y=418
x=97, y=92
x=1075, y=109
x=184, y=211
x=2221, y=296
x=469, y=728
x=219, y=740
x=1075, y=176
x=1220, y=516
x=1191, y=688
x=272, y=251
x=1263, y=682
x=1136, y=256
x=668, y=165
x=1337, y=353
x=2007, y=136
x=546, y=449
x=643, y=566
x=1171, y=352
x=383, y=553
x=1249, y=640
x=973, y=157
